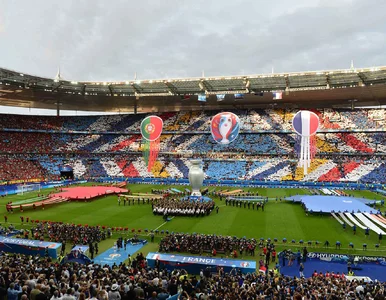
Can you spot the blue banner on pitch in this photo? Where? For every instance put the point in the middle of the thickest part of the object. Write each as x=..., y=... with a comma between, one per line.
x=113, y=255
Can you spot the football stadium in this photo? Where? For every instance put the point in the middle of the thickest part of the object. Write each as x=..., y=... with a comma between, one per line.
x=260, y=186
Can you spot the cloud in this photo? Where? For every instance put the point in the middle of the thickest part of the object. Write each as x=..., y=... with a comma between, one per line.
x=101, y=40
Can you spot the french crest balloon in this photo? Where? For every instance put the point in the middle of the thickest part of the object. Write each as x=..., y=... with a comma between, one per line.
x=305, y=123
x=225, y=127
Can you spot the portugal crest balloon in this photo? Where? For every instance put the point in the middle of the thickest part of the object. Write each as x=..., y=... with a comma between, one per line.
x=305, y=124
x=225, y=127
x=151, y=129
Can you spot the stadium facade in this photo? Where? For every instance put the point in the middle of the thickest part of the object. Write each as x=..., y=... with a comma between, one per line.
x=333, y=88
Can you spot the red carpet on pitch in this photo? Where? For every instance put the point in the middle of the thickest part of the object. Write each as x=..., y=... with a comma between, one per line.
x=88, y=192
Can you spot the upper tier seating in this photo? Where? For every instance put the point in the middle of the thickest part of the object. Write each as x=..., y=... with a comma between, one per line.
x=112, y=145
x=267, y=119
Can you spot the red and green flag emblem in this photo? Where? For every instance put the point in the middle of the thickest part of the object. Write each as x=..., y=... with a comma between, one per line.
x=151, y=128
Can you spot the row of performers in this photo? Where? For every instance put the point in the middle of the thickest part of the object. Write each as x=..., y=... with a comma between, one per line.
x=173, y=207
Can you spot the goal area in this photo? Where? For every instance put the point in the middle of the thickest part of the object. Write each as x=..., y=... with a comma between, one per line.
x=24, y=188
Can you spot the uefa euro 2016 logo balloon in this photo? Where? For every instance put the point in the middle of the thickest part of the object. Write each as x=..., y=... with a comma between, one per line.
x=225, y=127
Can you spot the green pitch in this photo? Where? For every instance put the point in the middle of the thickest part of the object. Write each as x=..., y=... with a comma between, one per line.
x=279, y=220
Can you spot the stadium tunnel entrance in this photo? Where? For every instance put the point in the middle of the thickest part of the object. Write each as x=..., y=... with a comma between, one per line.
x=66, y=172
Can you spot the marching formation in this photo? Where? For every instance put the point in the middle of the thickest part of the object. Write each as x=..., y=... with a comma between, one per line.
x=175, y=207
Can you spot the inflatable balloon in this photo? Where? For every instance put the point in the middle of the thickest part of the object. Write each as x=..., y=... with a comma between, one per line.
x=225, y=127
x=151, y=129
x=306, y=124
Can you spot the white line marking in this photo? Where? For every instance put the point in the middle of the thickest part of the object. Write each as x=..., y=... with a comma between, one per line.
x=162, y=224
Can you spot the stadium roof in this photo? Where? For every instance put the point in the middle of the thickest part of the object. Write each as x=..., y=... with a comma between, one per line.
x=333, y=88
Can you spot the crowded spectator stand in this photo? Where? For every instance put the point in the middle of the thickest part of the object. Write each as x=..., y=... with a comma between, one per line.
x=61, y=232
x=350, y=147
x=201, y=243
x=41, y=278
x=76, y=256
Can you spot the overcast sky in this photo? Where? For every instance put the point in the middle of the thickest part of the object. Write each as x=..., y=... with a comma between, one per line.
x=113, y=40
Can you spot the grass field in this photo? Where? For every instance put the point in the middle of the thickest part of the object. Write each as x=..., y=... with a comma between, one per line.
x=279, y=220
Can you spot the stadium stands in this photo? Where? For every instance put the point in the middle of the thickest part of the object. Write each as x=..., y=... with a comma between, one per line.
x=226, y=170
x=350, y=147
x=147, y=283
x=253, y=120
x=17, y=169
